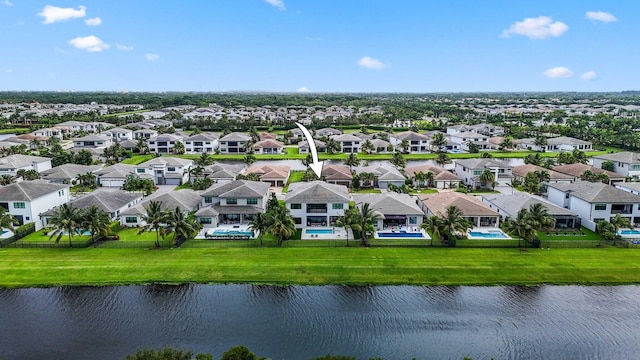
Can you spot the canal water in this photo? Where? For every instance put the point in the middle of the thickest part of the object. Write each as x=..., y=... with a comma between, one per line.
x=300, y=322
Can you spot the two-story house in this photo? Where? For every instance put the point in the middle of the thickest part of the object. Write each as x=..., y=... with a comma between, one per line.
x=186, y=200
x=234, y=143
x=144, y=134
x=470, y=170
x=316, y=203
x=411, y=142
x=625, y=163
x=468, y=137
x=348, y=143
x=268, y=146
x=595, y=201
x=92, y=141
x=10, y=165
x=235, y=202
x=118, y=135
x=26, y=200
x=163, y=143
x=201, y=143
x=165, y=170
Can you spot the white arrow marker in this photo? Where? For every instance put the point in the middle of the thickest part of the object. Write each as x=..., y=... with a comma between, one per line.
x=317, y=165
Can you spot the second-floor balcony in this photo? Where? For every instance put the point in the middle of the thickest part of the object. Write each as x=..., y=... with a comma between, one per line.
x=316, y=208
x=621, y=208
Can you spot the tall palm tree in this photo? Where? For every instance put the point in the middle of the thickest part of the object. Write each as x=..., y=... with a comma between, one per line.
x=368, y=147
x=453, y=223
x=522, y=226
x=184, y=226
x=420, y=179
x=154, y=218
x=438, y=140
x=204, y=160
x=7, y=221
x=281, y=224
x=367, y=217
x=96, y=221
x=349, y=221
x=259, y=225
x=351, y=161
x=432, y=224
x=443, y=159
x=487, y=178
x=65, y=220
x=7, y=179
x=540, y=217
x=142, y=146
x=332, y=146
x=429, y=178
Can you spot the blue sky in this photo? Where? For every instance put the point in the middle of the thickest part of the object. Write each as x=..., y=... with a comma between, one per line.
x=319, y=45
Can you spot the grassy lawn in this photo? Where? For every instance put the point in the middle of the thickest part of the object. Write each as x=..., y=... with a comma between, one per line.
x=424, y=191
x=39, y=237
x=366, y=191
x=316, y=266
x=17, y=131
x=186, y=185
x=295, y=176
x=571, y=234
x=137, y=159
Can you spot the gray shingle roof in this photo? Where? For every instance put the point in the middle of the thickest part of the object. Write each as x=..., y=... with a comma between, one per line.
x=512, y=203
x=410, y=136
x=166, y=160
x=108, y=201
x=236, y=136
x=317, y=192
x=390, y=203
x=625, y=157
x=19, y=160
x=68, y=171
x=186, y=200
x=597, y=192
x=29, y=190
x=482, y=163
x=238, y=189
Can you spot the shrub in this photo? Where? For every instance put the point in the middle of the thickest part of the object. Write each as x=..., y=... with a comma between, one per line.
x=24, y=230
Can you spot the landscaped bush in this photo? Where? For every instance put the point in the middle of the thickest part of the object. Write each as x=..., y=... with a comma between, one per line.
x=114, y=227
x=23, y=231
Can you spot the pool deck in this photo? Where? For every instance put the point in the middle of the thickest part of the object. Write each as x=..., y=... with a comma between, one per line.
x=635, y=235
x=487, y=229
x=7, y=234
x=236, y=227
x=338, y=234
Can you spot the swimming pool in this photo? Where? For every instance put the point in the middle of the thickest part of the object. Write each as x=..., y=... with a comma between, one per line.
x=487, y=234
x=628, y=232
x=318, y=231
x=400, y=234
x=221, y=233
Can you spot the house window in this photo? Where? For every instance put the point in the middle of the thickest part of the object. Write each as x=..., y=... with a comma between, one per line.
x=337, y=206
x=477, y=172
x=27, y=218
x=130, y=219
x=171, y=168
x=296, y=206
x=232, y=201
x=205, y=220
x=297, y=220
x=600, y=207
x=140, y=171
x=208, y=199
x=635, y=167
x=413, y=220
x=18, y=205
x=252, y=201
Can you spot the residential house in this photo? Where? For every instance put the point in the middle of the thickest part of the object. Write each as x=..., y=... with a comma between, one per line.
x=165, y=170
x=303, y=146
x=384, y=175
x=118, y=135
x=380, y=146
x=10, y=165
x=625, y=163
x=52, y=132
x=114, y=175
x=221, y=172
x=234, y=143
x=565, y=143
x=316, y=203
x=632, y=187
x=595, y=201
x=113, y=202
x=186, y=200
x=201, y=143
x=235, y=202
x=473, y=210
x=469, y=170
x=337, y=174
x=508, y=205
x=521, y=171
x=275, y=175
x=468, y=137
x=395, y=210
x=348, y=143
x=294, y=136
x=164, y=143
x=92, y=141
x=67, y=173
x=577, y=170
x=268, y=146
x=26, y=200
x=484, y=129
x=442, y=179
x=144, y=134
x=415, y=143
x=327, y=132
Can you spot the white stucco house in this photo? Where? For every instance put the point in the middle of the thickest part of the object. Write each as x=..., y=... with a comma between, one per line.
x=625, y=163
x=165, y=170
x=26, y=200
x=316, y=203
x=9, y=165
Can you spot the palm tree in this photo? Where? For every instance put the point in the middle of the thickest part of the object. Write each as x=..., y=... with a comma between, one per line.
x=332, y=146
x=178, y=148
x=349, y=221
x=521, y=226
x=453, y=223
x=154, y=218
x=507, y=143
x=351, y=161
x=7, y=179
x=7, y=221
x=487, y=178
x=142, y=146
x=184, y=226
x=540, y=218
x=438, y=141
x=429, y=178
x=249, y=159
x=96, y=221
x=259, y=225
x=281, y=224
x=398, y=160
x=620, y=222
x=367, y=217
x=368, y=146
x=606, y=230
x=420, y=179
x=65, y=220
x=204, y=160
x=432, y=224
x=443, y=159
x=404, y=146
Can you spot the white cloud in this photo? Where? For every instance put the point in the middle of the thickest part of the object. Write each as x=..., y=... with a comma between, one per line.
x=52, y=14
x=302, y=89
x=277, y=3
x=589, y=75
x=93, y=21
x=605, y=17
x=9, y=70
x=7, y=3
x=89, y=43
x=124, y=47
x=536, y=28
x=151, y=57
x=371, y=63
x=558, y=72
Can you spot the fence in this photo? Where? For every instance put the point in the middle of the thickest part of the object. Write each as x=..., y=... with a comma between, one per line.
x=48, y=244
x=576, y=243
